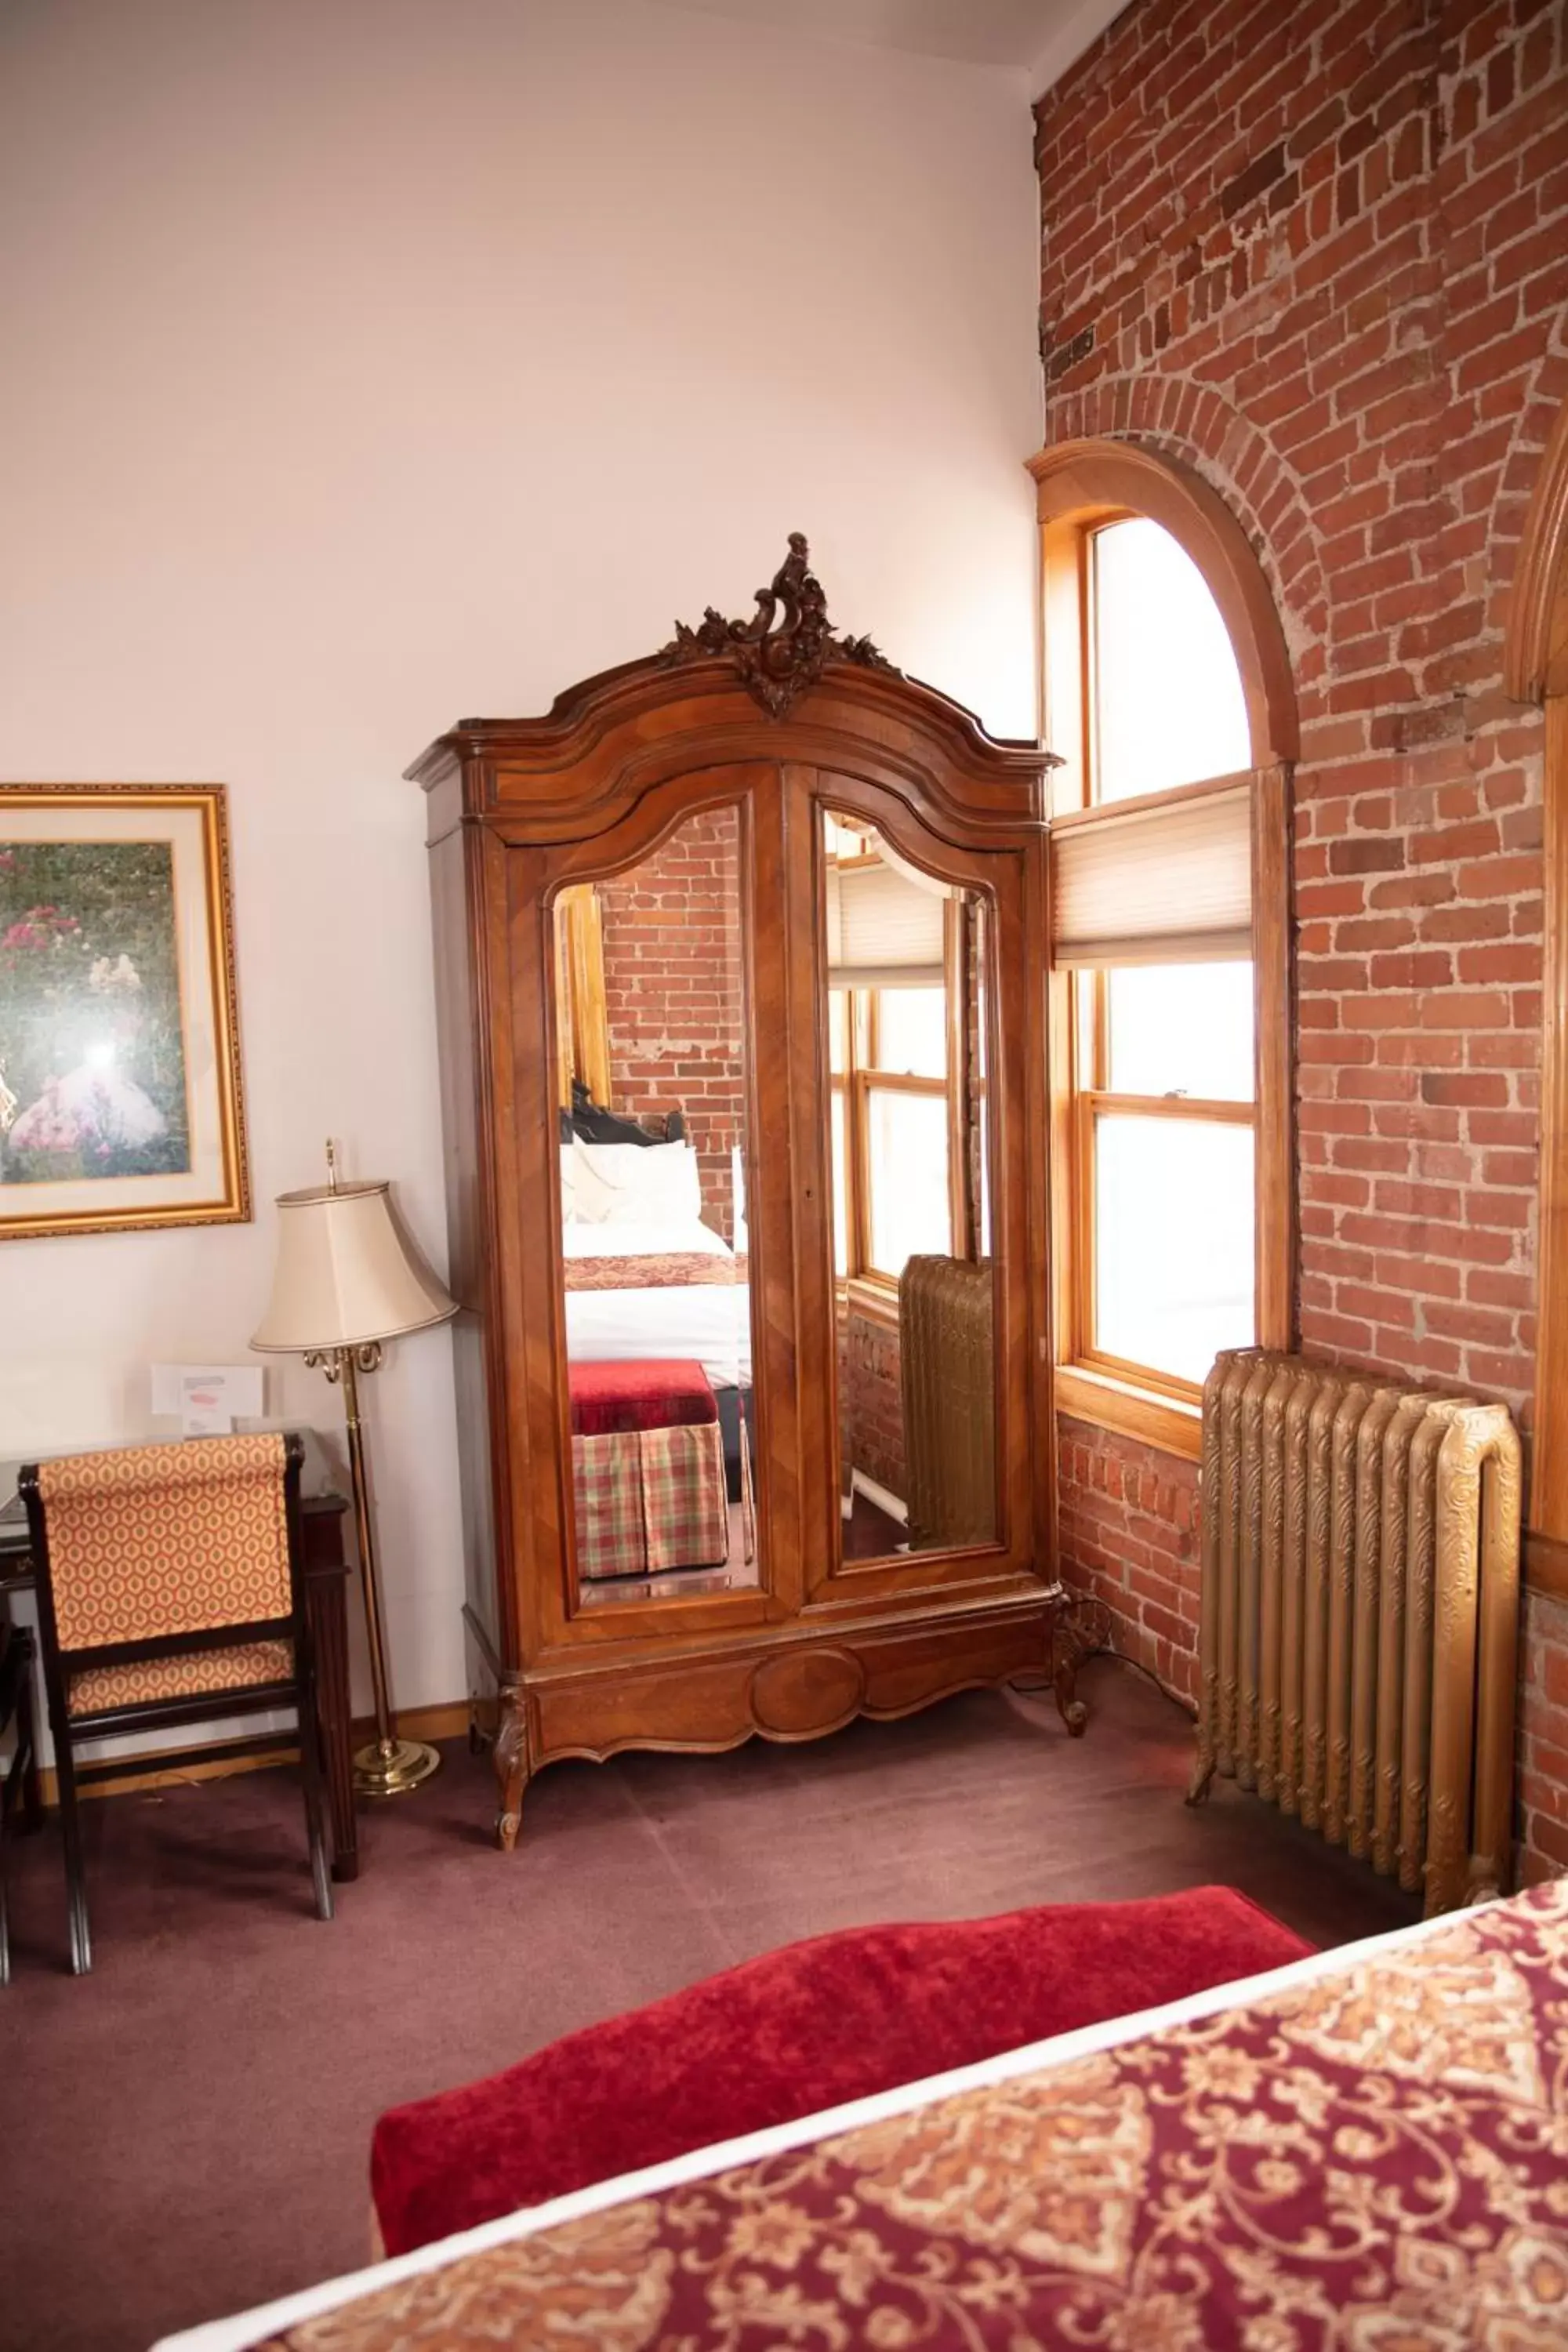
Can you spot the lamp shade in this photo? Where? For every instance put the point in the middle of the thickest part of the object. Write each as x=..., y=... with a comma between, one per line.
x=346, y=1274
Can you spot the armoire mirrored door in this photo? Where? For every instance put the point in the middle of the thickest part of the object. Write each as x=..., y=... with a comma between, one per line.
x=908, y=1006
x=653, y=1049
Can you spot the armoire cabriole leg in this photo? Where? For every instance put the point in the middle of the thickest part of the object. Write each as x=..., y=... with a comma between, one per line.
x=512, y=1763
x=1081, y=1628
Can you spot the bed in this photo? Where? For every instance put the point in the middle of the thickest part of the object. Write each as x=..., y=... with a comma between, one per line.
x=1367, y=2149
x=648, y=1272
x=650, y=1289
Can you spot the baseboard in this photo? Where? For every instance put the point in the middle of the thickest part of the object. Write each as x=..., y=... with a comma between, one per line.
x=447, y=1721
x=886, y=1501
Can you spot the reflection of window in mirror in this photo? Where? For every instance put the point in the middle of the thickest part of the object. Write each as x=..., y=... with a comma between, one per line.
x=906, y=1040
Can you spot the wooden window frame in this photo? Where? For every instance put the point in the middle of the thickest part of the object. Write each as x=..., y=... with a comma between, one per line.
x=1080, y=488
x=1535, y=671
x=869, y=1285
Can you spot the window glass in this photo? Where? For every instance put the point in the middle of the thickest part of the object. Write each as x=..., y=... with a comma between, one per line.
x=838, y=1029
x=1168, y=702
x=1181, y=1029
x=840, y=1187
x=1174, y=1224
x=907, y=1146
x=912, y=1032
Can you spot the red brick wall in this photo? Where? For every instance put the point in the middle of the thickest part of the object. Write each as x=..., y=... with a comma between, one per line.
x=1129, y=1532
x=673, y=993
x=870, y=1399
x=1320, y=253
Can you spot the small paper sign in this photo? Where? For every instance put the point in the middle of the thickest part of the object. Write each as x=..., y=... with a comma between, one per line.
x=208, y=1398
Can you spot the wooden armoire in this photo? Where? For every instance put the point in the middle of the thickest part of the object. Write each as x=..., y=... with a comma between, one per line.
x=824, y=767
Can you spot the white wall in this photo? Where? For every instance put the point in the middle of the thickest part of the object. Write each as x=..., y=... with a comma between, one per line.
x=376, y=362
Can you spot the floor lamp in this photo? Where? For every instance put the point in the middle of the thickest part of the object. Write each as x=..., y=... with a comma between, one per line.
x=345, y=1282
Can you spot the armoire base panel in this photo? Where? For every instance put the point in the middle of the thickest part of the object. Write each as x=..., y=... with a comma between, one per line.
x=800, y=1685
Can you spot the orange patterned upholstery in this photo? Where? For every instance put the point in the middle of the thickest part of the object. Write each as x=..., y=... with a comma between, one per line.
x=243, y=1667
x=155, y=1540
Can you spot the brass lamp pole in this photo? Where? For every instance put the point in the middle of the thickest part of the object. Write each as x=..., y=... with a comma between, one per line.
x=345, y=1281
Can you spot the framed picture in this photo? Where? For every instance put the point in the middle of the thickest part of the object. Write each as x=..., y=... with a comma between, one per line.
x=119, y=1096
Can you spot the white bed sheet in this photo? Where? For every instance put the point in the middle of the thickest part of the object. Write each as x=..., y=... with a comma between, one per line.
x=249, y=2327
x=709, y=1323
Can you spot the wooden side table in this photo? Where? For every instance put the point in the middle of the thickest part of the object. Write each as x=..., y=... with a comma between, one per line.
x=326, y=1580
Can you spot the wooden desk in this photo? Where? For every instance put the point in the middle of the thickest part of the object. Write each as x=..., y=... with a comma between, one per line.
x=326, y=1577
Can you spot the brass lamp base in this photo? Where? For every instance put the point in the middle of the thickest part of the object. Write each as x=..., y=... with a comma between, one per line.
x=393, y=1767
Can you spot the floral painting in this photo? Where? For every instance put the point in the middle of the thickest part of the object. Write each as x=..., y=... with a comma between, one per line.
x=92, y=1058
x=119, y=1083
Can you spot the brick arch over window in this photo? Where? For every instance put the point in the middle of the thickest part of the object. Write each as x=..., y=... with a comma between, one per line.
x=1535, y=670
x=1198, y=428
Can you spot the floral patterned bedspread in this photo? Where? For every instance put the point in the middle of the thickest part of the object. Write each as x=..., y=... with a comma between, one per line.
x=654, y=1270
x=1376, y=2161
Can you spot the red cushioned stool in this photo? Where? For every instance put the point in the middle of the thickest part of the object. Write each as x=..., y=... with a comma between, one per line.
x=794, y=2031
x=611, y=1396
x=647, y=1468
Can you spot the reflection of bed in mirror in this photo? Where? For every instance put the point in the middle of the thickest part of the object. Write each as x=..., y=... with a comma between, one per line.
x=653, y=1240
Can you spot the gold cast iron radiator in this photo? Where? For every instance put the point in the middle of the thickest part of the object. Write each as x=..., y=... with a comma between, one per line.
x=1359, y=1615
x=947, y=1362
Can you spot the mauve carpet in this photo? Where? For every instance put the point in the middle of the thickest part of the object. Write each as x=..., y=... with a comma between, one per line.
x=187, y=2130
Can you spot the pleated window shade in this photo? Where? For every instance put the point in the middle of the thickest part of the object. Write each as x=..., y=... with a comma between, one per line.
x=1166, y=885
x=884, y=930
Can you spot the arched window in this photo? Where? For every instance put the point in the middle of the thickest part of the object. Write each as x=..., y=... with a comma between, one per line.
x=1167, y=696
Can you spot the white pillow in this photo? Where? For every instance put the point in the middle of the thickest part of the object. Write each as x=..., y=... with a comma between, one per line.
x=633, y=1183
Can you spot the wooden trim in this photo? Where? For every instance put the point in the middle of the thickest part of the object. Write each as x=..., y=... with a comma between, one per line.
x=873, y=1295
x=1166, y=1423
x=1086, y=482
x=961, y=1218
x=1100, y=1363
x=447, y=1721
x=1545, y=1564
x=1535, y=669
x=1548, y=1510
x=1141, y=804
x=1535, y=645
x=1273, y=1028
x=1212, y=1114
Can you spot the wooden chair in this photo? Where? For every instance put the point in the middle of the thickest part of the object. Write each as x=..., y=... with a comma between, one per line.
x=171, y=1591
x=20, y=1794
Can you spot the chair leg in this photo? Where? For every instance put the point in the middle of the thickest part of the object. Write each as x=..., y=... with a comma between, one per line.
x=70, y=1835
x=8, y=1805
x=27, y=1740
x=315, y=1796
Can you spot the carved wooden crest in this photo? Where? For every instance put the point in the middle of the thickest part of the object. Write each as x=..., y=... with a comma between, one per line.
x=777, y=663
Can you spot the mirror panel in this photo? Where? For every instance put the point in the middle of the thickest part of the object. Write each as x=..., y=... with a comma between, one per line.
x=651, y=1054
x=908, y=1036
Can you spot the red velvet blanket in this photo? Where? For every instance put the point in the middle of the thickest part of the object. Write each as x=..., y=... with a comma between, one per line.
x=1376, y=2159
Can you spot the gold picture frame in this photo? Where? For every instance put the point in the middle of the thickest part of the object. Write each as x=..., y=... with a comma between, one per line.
x=121, y=1101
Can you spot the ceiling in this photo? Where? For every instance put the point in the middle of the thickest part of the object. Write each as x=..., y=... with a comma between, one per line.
x=1039, y=38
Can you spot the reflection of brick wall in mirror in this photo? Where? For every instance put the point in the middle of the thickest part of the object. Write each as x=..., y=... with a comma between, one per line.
x=673, y=994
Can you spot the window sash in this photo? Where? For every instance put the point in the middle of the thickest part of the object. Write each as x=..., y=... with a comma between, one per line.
x=1167, y=879
x=1091, y=1102
x=856, y=1084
